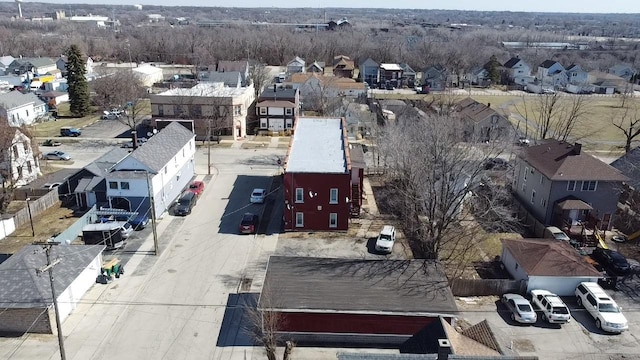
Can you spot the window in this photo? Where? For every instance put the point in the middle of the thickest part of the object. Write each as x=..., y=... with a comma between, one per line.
x=333, y=220
x=237, y=109
x=333, y=196
x=589, y=185
x=124, y=185
x=571, y=186
x=160, y=110
x=288, y=111
x=541, y=179
x=25, y=147
x=263, y=124
x=299, y=195
x=113, y=185
x=533, y=196
x=166, y=168
x=29, y=169
x=263, y=110
x=299, y=219
x=524, y=187
x=526, y=172
x=195, y=111
x=543, y=202
x=15, y=151
x=19, y=172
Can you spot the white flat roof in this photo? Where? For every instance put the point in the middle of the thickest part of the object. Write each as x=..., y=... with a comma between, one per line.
x=317, y=147
x=394, y=67
x=213, y=89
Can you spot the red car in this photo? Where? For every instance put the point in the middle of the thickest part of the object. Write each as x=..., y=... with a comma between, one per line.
x=196, y=187
x=249, y=224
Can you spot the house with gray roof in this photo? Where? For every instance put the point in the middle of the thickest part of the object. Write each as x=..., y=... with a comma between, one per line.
x=321, y=188
x=241, y=66
x=5, y=61
x=561, y=185
x=232, y=79
x=162, y=168
x=35, y=66
x=21, y=109
x=26, y=302
x=482, y=123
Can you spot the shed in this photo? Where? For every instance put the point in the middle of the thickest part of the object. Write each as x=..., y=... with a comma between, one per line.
x=25, y=298
x=547, y=264
x=354, y=301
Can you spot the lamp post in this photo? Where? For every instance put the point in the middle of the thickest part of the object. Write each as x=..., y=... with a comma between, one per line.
x=33, y=233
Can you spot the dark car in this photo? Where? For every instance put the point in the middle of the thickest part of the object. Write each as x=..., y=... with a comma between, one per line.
x=495, y=164
x=249, y=224
x=139, y=222
x=611, y=261
x=185, y=204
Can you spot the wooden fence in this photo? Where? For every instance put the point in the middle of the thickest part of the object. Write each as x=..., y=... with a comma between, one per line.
x=37, y=207
x=486, y=287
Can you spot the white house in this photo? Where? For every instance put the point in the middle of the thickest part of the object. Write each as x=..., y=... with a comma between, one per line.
x=61, y=64
x=19, y=163
x=165, y=164
x=546, y=264
x=551, y=73
x=55, y=97
x=21, y=109
x=297, y=65
x=518, y=71
x=148, y=74
x=5, y=61
x=624, y=71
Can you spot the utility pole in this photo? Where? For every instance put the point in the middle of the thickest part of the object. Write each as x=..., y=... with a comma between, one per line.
x=49, y=267
x=152, y=203
x=209, y=148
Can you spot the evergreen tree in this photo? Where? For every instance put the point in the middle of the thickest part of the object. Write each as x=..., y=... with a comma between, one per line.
x=493, y=69
x=77, y=82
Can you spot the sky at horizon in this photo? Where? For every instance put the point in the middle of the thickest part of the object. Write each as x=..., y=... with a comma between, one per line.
x=580, y=6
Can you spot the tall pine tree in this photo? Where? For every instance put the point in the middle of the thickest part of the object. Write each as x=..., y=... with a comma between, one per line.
x=493, y=67
x=77, y=82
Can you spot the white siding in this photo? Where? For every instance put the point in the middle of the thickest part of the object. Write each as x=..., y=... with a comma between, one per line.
x=562, y=286
x=511, y=265
x=69, y=298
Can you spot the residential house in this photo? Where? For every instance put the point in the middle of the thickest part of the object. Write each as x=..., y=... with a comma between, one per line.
x=297, y=65
x=551, y=72
x=391, y=73
x=482, y=123
x=577, y=75
x=163, y=167
x=343, y=66
x=318, y=91
x=518, y=71
x=61, y=64
x=338, y=24
x=5, y=61
x=278, y=108
x=148, y=74
x=351, y=301
x=232, y=79
x=369, y=71
x=241, y=66
x=480, y=77
x=624, y=71
x=319, y=191
x=316, y=67
x=629, y=165
x=561, y=185
x=547, y=264
x=605, y=83
x=18, y=165
x=21, y=109
x=408, y=75
x=54, y=98
x=26, y=304
x=360, y=121
x=435, y=77
x=209, y=105
x=34, y=66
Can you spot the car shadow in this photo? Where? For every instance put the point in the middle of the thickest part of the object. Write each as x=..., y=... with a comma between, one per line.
x=371, y=247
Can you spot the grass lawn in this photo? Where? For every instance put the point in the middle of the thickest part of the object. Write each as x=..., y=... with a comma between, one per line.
x=494, y=100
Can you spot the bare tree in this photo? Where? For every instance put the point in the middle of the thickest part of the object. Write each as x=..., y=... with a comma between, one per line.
x=628, y=122
x=555, y=116
x=122, y=89
x=264, y=326
x=259, y=76
x=440, y=186
x=12, y=165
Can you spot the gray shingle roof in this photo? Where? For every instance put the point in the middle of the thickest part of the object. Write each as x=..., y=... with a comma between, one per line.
x=14, y=99
x=629, y=165
x=37, y=62
x=21, y=287
x=162, y=147
x=102, y=165
x=398, y=286
x=230, y=78
x=279, y=94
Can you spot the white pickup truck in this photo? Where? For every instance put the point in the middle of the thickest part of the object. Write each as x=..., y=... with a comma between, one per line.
x=554, y=311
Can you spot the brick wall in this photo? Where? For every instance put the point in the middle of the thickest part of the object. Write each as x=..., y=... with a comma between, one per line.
x=32, y=320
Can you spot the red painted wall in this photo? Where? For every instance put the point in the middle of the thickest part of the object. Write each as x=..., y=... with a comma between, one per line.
x=320, y=184
x=353, y=323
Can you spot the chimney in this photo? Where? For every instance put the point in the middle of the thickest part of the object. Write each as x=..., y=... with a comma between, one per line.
x=444, y=349
x=577, y=147
x=134, y=139
x=488, y=105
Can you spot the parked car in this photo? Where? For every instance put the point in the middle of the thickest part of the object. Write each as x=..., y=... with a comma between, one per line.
x=50, y=142
x=69, y=131
x=126, y=230
x=601, y=307
x=258, y=195
x=495, y=164
x=523, y=141
x=386, y=239
x=129, y=144
x=50, y=186
x=612, y=261
x=196, y=187
x=554, y=310
x=553, y=232
x=520, y=309
x=249, y=223
x=57, y=155
x=185, y=204
x=106, y=115
x=139, y=222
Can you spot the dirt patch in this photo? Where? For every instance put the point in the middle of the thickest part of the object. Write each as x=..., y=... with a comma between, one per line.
x=255, y=145
x=524, y=345
x=54, y=220
x=475, y=302
x=328, y=235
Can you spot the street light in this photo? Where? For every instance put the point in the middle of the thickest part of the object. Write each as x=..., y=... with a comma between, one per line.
x=33, y=232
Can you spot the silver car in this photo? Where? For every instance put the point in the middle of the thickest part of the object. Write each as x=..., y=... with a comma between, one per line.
x=520, y=309
x=57, y=155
